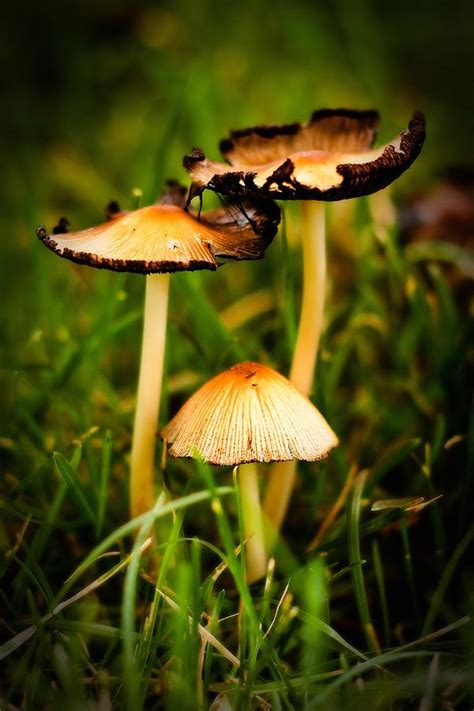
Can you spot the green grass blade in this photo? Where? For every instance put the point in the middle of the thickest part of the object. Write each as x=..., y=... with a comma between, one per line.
x=67, y=472
x=315, y=602
x=149, y=517
x=131, y=678
x=326, y=629
x=440, y=592
x=103, y=482
x=408, y=561
x=359, y=669
x=395, y=454
x=354, y=557
x=256, y=639
x=212, y=627
x=149, y=640
x=379, y=577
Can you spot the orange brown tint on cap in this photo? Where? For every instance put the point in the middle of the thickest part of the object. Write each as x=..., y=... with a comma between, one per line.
x=166, y=238
x=328, y=158
x=249, y=413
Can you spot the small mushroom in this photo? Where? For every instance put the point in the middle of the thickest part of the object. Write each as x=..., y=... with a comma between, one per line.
x=328, y=158
x=247, y=414
x=157, y=240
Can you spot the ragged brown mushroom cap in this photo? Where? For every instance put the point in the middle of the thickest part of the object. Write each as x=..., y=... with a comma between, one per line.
x=329, y=158
x=335, y=130
x=249, y=413
x=166, y=238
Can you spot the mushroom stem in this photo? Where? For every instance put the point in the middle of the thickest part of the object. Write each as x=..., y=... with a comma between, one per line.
x=149, y=392
x=312, y=306
x=282, y=474
x=256, y=559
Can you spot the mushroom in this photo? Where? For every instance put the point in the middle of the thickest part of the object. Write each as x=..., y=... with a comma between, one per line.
x=247, y=414
x=155, y=241
x=328, y=158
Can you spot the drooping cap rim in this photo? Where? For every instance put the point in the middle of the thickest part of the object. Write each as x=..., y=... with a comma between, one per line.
x=129, y=266
x=237, y=231
x=353, y=179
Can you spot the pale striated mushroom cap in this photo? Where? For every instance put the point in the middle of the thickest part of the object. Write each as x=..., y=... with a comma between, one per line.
x=166, y=238
x=328, y=158
x=249, y=413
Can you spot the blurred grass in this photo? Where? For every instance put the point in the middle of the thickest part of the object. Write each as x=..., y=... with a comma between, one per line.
x=105, y=97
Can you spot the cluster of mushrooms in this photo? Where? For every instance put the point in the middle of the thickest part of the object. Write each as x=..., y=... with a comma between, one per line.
x=250, y=413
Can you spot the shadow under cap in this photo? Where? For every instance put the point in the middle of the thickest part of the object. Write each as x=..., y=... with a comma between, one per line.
x=327, y=159
x=249, y=413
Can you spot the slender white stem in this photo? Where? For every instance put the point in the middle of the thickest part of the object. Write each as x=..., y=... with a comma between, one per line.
x=314, y=287
x=149, y=392
x=256, y=559
x=282, y=474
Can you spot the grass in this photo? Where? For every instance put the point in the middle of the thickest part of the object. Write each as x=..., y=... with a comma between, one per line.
x=379, y=610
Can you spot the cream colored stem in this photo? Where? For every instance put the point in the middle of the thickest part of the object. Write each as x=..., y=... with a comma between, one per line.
x=256, y=559
x=149, y=393
x=282, y=475
x=312, y=306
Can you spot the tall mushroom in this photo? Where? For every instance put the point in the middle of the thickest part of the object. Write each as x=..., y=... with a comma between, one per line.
x=158, y=240
x=247, y=414
x=328, y=158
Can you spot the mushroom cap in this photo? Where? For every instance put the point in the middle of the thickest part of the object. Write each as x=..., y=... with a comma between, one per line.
x=333, y=130
x=249, y=413
x=166, y=238
x=328, y=158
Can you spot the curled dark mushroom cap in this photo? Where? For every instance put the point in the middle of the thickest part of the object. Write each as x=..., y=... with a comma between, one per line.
x=166, y=238
x=249, y=413
x=328, y=158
